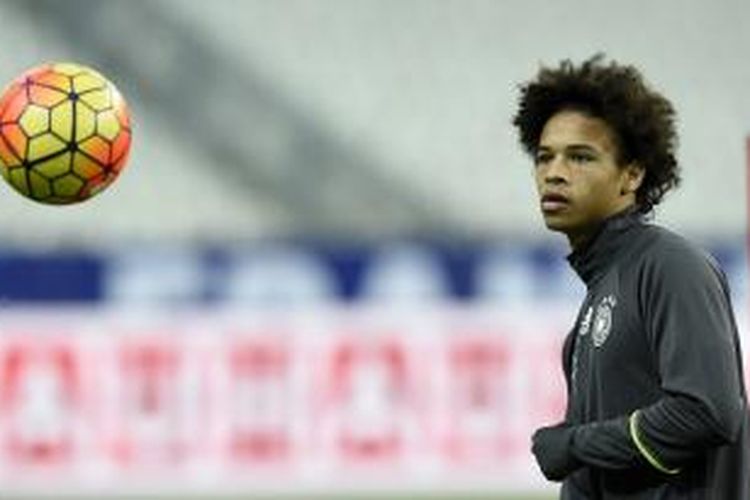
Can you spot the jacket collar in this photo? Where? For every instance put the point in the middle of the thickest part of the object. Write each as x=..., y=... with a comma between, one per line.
x=594, y=258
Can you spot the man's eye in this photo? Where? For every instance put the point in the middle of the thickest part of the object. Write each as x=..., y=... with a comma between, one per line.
x=581, y=158
x=543, y=158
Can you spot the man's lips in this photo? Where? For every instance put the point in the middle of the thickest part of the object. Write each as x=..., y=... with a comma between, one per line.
x=553, y=202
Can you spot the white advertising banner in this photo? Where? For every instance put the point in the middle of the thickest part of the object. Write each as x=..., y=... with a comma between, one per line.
x=263, y=402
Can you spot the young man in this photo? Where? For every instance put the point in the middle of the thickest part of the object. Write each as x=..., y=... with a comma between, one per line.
x=656, y=400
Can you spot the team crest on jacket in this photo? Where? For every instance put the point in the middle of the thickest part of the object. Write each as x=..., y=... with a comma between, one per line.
x=603, y=320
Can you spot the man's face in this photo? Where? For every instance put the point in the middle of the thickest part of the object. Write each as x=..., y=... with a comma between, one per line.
x=577, y=174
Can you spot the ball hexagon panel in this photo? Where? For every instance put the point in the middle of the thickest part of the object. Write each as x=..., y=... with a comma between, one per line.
x=98, y=99
x=61, y=118
x=40, y=185
x=16, y=140
x=45, y=96
x=54, y=80
x=43, y=147
x=15, y=102
x=56, y=166
x=88, y=81
x=67, y=186
x=85, y=167
x=34, y=120
x=85, y=122
x=107, y=125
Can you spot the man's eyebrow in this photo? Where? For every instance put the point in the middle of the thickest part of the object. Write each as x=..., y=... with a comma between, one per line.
x=569, y=147
x=581, y=147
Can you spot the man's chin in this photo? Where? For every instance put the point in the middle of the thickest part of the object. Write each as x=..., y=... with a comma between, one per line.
x=556, y=224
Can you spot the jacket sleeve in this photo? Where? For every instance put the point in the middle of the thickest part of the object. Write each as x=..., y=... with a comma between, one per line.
x=687, y=313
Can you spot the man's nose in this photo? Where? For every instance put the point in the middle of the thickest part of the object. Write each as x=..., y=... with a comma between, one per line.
x=557, y=171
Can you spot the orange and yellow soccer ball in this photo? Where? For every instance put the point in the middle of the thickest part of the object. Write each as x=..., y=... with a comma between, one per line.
x=64, y=133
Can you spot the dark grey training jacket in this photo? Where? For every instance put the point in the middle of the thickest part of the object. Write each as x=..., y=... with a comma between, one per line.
x=654, y=372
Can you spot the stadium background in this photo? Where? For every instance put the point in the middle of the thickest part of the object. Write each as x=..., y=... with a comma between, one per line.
x=323, y=271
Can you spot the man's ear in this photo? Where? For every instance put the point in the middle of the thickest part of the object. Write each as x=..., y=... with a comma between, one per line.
x=633, y=174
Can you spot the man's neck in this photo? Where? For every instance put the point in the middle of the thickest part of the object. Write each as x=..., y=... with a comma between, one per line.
x=579, y=238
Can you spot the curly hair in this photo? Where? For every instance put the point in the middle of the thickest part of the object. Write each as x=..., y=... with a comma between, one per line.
x=642, y=120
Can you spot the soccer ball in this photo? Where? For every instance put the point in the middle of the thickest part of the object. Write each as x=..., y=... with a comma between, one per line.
x=64, y=133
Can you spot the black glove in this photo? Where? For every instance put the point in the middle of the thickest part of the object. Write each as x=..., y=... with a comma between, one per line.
x=552, y=447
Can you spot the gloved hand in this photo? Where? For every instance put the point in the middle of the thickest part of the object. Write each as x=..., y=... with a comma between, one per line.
x=552, y=447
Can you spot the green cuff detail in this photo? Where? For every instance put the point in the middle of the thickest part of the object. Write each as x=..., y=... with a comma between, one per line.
x=648, y=454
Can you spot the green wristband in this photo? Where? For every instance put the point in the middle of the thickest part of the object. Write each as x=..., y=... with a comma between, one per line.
x=647, y=454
